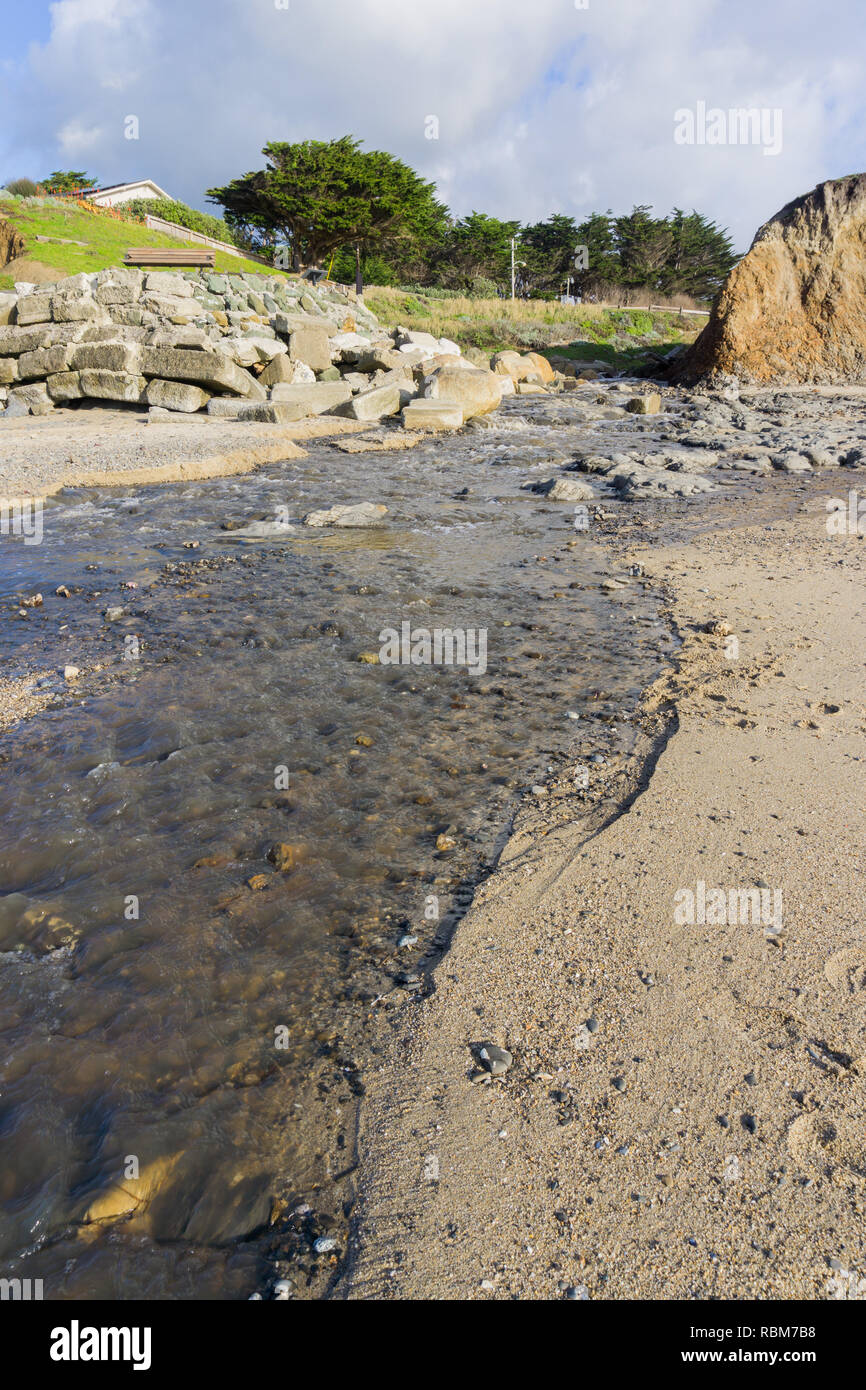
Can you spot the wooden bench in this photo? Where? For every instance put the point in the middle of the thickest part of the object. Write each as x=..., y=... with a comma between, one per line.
x=161, y=255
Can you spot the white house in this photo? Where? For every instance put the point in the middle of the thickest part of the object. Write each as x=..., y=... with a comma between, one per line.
x=125, y=192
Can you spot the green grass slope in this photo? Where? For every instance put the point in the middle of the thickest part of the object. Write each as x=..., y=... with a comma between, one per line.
x=79, y=240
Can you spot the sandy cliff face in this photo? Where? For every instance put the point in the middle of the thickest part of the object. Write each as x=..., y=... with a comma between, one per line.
x=11, y=242
x=794, y=308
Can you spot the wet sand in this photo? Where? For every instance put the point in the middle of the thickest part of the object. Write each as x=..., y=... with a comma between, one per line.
x=703, y=1136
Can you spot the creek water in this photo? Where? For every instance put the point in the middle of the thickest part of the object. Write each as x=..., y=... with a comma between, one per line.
x=171, y=1004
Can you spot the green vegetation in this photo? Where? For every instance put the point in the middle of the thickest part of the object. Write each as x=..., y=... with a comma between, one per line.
x=624, y=337
x=184, y=216
x=333, y=204
x=318, y=196
x=22, y=188
x=69, y=181
x=88, y=241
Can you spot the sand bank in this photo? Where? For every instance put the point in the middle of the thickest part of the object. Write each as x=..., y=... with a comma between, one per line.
x=39, y=455
x=703, y=1137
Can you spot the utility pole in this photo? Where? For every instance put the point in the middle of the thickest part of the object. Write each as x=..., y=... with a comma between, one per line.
x=514, y=266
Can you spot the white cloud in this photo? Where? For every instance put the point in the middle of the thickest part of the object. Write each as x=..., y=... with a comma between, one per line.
x=75, y=139
x=542, y=107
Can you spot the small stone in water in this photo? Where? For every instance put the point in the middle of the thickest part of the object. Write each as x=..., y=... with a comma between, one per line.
x=407, y=941
x=618, y=1083
x=324, y=1245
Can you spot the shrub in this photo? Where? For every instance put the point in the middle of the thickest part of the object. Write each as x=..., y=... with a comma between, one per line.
x=22, y=188
x=642, y=322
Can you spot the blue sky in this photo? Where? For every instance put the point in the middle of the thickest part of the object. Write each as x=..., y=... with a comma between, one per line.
x=543, y=105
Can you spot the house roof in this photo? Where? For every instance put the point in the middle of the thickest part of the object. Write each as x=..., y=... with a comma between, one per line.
x=137, y=183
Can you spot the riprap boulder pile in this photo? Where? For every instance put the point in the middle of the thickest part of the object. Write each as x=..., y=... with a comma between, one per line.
x=261, y=348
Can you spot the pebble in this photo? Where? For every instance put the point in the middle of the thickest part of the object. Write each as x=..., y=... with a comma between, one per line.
x=618, y=1083
x=578, y=1293
x=324, y=1245
x=497, y=1060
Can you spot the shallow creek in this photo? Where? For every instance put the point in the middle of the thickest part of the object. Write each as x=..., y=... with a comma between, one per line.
x=171, y=1002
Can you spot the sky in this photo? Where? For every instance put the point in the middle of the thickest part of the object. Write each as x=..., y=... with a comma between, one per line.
x=517, y=108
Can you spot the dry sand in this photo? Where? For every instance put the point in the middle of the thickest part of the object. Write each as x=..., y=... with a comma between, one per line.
x=733, y=1164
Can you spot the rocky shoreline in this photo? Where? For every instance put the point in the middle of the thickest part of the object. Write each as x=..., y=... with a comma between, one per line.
x=582, y=897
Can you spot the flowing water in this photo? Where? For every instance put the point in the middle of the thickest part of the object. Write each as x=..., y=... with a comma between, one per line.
x=172, y=1004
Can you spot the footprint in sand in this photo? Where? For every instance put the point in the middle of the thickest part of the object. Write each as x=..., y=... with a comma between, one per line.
x=846, y=970
x=832, y=1145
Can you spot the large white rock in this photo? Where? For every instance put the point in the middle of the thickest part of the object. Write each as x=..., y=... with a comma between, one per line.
x=311, y=398
x=406, y=337
x=377, y=403
x=357, y=514
x=432, y=415
x=162, y=282
x=348, y=346
x=176, y=395
x=249, y=352
x=475, y=389
x=563, y=489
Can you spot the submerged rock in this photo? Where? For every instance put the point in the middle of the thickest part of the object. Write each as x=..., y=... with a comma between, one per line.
x=357, y=514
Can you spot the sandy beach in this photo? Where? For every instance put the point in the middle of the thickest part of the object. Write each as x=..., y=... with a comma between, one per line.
x=684, y=1115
